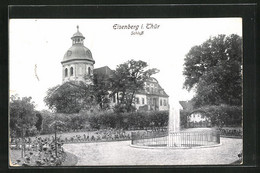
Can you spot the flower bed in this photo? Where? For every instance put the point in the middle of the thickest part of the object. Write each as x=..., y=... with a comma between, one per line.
x=41, y=152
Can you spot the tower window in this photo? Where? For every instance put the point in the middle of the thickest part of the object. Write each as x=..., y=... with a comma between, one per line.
x=143, y=101
x=71, y=71
x=89, y=71
x=66, y=72
x=160, y=102
x=137, y=100
x=114, y=98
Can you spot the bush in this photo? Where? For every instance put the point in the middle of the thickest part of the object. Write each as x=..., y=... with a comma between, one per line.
x=137, y=120
x=49, y=118
x=224, y=115
x=105, y=120
x=183, y=117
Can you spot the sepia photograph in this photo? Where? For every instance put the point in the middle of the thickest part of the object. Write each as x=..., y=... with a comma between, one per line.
x=125, y=92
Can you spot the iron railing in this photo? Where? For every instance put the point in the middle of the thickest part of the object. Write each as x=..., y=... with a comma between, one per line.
x=176, y=139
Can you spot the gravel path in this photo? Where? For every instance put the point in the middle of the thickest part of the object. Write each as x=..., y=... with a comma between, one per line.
x=120, y=153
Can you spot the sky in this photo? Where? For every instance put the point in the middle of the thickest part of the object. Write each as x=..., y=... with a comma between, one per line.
x=37, y=47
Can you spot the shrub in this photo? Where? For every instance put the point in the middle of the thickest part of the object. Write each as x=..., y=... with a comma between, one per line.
x=224, y=115
x=128, y=119
x=183, y=117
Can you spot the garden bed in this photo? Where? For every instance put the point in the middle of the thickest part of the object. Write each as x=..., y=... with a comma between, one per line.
x=70, y=159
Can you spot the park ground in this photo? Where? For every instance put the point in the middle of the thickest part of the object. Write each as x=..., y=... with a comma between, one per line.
x=121, y=153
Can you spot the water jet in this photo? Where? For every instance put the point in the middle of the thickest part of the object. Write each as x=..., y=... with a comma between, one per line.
x=174, y=137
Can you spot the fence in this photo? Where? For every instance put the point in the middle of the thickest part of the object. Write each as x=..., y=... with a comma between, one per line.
x=177, y=139
x=231, y=132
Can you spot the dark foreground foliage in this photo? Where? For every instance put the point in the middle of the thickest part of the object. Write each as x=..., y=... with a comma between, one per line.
x=41, y=152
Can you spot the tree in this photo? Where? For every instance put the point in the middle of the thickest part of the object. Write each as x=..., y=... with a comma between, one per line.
x=128, y=78
x=214, y=70
x=101, y=87
x=38, y=123
x=22, y=116
x=70, y=97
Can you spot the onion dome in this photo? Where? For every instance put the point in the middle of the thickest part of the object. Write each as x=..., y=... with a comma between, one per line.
x=78, y=51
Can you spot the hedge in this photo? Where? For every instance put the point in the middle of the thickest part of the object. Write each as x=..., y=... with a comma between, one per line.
x=132, y=120
x=224, y=115
x=105, y=120
x=220, y=116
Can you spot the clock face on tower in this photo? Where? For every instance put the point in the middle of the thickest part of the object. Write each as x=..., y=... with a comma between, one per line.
x=69, y=53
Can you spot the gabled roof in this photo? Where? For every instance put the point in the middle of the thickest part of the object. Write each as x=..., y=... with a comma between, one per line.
x=186, y=105
x=160, y=92
x=103, y=71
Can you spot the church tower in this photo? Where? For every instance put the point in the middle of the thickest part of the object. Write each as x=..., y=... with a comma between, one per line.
x=77, y=63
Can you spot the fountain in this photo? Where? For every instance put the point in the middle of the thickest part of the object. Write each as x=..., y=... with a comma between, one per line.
x=174, y=137
x=173, y=140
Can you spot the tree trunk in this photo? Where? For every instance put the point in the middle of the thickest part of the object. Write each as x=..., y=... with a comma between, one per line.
x=56, y=140
x=117, y=98
x=22, y=152
x=130, y=101
x=123, y=97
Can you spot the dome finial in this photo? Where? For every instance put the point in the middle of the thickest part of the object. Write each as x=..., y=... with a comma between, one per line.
x=78, y=28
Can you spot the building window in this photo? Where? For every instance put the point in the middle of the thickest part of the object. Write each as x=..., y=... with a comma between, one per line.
x=137, y=100
x=152, y=90
x=89, y=71
x=143, y=101
x=66, y=72
x=164, y=102
x=160, y=102
x=71, y=71
x=148, y=89
x=114, y=98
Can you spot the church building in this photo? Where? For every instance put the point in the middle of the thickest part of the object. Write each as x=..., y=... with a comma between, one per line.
x=78, y=65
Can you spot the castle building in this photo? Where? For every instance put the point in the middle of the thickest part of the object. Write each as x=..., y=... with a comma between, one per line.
x=78, y=65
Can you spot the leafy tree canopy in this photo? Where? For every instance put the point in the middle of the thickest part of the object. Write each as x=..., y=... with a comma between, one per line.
x=125, y=81
x=22, y=116
x=70, y=97
x=214, y=70
x=128, y=78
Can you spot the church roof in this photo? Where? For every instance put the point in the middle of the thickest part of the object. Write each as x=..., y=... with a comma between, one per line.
x=78, y=51
x=78, y=34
